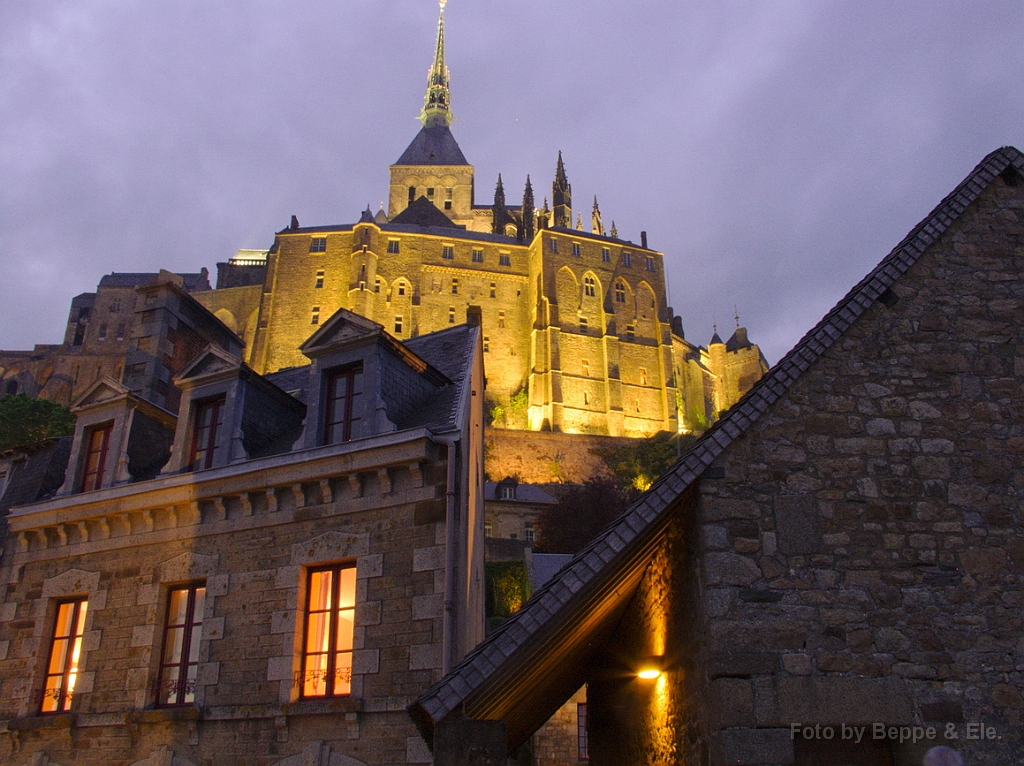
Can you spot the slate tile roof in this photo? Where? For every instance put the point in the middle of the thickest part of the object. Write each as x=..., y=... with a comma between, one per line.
x=451, y=352
x=591, y=569
x=433, y=146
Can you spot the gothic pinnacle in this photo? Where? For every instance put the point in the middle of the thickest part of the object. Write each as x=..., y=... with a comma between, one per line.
x=436, y=104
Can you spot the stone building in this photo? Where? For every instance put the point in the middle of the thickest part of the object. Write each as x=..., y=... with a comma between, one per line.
x=835, y=571
x=578, y=333
x=257, y=569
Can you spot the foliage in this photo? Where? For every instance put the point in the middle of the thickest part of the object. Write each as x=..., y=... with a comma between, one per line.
x=637, y=464
x=25, y=421
x=583, y=511
x=518, y=409
x=508, y=588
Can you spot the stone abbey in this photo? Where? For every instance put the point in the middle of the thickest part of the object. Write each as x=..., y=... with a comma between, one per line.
x=578, y=333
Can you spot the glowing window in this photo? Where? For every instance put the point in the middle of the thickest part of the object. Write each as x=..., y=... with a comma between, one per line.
x=344, y=387
x=65, y=654
x=179, y=660
x=97, y=444
x=208, y=420
x=329, y=621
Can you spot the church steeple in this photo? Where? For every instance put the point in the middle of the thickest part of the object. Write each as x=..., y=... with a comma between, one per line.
x=436, y=104
x=561, y=196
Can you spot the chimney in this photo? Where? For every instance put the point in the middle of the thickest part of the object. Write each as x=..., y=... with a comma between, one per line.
x=643, y=240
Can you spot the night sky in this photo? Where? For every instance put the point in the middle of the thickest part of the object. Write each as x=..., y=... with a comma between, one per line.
x=774, y=151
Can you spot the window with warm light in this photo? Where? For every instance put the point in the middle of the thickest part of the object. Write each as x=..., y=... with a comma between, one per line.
x=208, y=420
x=179, y=659
x=329, y=628
x=65, y=654
x=97, y=444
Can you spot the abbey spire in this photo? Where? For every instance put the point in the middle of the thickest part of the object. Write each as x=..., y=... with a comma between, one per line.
x=561, y=196
x=436, y=104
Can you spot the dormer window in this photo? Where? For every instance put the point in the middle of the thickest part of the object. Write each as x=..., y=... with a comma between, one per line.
x=207, y=422
x=506, y=492
x=97, y=444
x=341, y=412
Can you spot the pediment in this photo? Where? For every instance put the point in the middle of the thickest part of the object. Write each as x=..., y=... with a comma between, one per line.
x=342, y=329
x=103, y=391
x=212, y=362
x=186, y=566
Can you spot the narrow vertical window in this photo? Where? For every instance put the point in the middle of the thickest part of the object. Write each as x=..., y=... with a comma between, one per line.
x=627, y=258
x=447, y=252
x=529, y=533
x=583, y=325
x=179, y=659
x=97, y=443
x=314, y=315
x=121, y=329
x=401, y=288
x=494, y=289
x=102, y=335
x=505, y=259
x=487, y=344
x=344, y=386
x=65, y=654
x=412, y=194
x=606, y=255
x=209, y=416
x=581, y=731
x=330, y=613
x=630, y=333
x=488, y=529
x=319, y=280
x=455, y=287
x=589, y=287
x=650, y=263
x=501, y=319
x=577, y=249
x=478, y=256
x=451, y=315
x=553, y=245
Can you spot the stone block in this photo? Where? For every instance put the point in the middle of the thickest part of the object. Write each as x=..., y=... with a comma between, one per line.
x=427, y=607
x=366, y=661
x=142, y=635
x=282, y=622
x=217, y=585
x=798, y=526
x=416, y=751
x=717, y=509
x=208, y=673
x=279, y=669
x=424, y=559
x=714, y=537
x=370, y=566
x=213, y=629
x=783, y=701
x=732, y=703
x=425, y=656
x=983, y=560
x=752, y=747
x=742, y=664
x=730, y=569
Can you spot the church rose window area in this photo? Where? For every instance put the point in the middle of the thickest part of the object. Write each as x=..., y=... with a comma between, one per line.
x=65, y=653
x=179, y=658
x=328, y=631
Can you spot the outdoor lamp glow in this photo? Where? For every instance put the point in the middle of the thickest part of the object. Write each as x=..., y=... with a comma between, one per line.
x=649, y=669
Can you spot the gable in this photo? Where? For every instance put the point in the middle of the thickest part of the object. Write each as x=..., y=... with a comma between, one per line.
x=103, y=391
x=342, y=329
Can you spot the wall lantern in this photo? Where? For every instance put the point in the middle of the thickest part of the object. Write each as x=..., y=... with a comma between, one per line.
x=650, y=668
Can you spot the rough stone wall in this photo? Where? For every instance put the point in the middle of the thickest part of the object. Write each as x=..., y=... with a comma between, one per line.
x=253, y=567
x=862, y=548
x=540, y=457
x=556, y=743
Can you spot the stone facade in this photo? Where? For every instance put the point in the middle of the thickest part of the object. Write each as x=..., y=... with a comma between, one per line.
x=834, y=572
x=400, y=503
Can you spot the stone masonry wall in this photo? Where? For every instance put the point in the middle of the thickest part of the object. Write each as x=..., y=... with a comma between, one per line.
x=862, y=545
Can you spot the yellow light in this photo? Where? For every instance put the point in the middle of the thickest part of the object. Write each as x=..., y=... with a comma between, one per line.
x=648, y=674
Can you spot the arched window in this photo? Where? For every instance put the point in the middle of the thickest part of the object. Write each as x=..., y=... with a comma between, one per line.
x=620, y=292
x=589, y=287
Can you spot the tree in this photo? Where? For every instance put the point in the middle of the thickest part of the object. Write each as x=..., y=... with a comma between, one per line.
x=583, y=511
x=25, y=421
x=635, y=466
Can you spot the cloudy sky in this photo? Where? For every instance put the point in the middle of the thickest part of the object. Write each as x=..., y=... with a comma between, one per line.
x=774, y=151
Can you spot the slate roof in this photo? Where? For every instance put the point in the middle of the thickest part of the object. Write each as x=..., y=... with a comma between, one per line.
x=36, y=478
x=423, y=212
x=494, y=680
x=451, y=352
x=525, y=493
x=194, y=283
x=433, y=146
